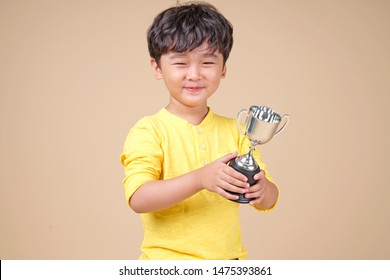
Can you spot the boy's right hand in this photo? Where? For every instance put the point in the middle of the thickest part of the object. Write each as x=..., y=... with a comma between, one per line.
x=218, y=177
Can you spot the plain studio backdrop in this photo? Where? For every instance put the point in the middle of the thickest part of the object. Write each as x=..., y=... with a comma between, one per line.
x=75, y=76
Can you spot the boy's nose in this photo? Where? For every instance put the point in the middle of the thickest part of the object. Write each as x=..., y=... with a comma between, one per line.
x=193, y=73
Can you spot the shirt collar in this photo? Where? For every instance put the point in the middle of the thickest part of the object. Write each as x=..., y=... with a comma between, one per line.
x=182, y=122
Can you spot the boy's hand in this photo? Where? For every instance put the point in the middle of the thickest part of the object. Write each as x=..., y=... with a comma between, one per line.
x=218, y=177
x=258, y=191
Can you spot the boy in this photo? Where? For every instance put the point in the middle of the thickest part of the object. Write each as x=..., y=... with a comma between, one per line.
x=175, y=161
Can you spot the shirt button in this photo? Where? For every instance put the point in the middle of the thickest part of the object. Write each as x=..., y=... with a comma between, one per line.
x=205, y=162
x=199, y=131
x=201, y=146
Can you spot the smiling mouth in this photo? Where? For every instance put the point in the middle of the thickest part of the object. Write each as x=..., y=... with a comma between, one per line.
x=193, y=89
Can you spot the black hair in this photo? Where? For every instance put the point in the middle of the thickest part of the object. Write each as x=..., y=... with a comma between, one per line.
x=184, y=27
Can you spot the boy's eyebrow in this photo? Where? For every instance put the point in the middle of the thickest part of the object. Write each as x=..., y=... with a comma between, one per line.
x=175, y=55
x=211, y=54
x=181, y=55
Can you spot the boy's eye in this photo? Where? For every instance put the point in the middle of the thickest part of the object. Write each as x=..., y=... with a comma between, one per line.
x=208, y=62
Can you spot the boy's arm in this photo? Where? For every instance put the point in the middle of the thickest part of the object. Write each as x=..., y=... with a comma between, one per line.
x=216, y=177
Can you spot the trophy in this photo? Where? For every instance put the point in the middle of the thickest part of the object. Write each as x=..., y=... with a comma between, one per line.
x=261, y=124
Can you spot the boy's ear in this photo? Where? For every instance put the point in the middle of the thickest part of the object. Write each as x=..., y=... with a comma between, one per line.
x=156, y=69
x=224, y=69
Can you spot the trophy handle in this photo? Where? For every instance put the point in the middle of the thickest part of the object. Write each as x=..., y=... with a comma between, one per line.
x=283, y=123
x=239, y=120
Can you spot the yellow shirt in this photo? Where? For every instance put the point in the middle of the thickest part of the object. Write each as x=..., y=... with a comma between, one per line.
x=164, y=146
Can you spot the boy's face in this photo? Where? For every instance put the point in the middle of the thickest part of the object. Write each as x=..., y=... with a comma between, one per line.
x=191, y=77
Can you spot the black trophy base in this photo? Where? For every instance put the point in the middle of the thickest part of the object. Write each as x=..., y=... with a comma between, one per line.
x=249, y=174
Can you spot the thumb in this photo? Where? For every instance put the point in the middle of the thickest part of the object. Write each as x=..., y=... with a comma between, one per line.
x=226, y=158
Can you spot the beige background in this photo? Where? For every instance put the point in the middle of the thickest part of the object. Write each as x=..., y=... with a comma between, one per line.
x=75, y=76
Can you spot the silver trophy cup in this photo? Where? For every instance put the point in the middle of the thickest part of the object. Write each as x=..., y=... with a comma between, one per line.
x=260, y=125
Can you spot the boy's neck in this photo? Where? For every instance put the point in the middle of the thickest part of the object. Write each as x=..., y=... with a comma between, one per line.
x=194, y=115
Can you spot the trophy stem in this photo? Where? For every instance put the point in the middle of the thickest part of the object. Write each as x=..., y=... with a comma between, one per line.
x=251, y=149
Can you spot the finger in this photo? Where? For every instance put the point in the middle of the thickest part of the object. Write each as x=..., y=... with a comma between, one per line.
x=239, y=181
x=257, y=200
x=230, y=196
x=258, y=194
x=226, y=194
x=259, y=176
x=226, y=185
x=254, y=194
x=226, y=158
x=260, y=185
x=254, y=189
x=236, y=175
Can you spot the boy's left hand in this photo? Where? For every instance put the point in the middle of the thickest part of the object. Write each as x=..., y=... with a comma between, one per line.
x=258, y=190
